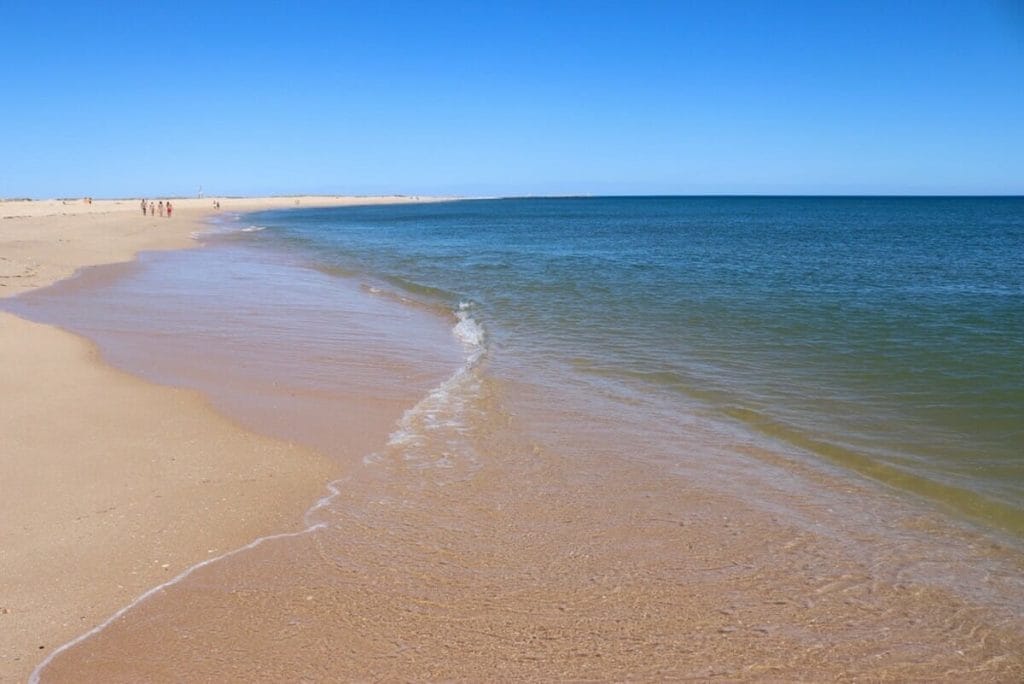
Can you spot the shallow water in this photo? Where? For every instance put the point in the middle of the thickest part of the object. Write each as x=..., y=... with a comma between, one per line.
x=885, y=335
x=529, y=499
x=287, y=350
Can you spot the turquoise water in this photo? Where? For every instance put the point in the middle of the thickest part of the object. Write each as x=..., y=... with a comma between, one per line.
x=882, y=335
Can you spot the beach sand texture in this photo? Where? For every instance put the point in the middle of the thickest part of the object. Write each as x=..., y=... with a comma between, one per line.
x=110, y=485
x=525, y=565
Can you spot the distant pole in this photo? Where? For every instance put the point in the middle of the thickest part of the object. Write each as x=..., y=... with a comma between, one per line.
x=200, y=192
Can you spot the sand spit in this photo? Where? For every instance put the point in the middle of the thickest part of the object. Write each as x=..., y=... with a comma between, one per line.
x=552, y=558
x=110, y=486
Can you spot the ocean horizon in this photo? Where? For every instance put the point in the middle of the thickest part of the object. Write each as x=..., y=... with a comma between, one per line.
x=774, y=425
x=880, y=334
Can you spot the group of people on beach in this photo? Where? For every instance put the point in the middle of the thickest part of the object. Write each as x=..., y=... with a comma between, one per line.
x=160, y=207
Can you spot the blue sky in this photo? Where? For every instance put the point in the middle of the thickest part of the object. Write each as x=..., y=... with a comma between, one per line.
x=511, y=98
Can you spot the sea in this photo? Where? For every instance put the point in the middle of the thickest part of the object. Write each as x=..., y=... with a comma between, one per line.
x=782, y=432
x=882, y=336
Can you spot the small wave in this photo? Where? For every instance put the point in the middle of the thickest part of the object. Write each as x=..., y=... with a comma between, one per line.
x=333, y=491
x=385, y=292
x=467, y=330
x=430, y=434
x=223, y=226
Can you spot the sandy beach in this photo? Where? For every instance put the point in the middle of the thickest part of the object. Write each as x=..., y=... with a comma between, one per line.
x=534, y=550
x=109, y=485
x=660, y=341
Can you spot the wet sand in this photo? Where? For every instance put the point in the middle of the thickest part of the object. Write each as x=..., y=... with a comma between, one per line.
x=110, y=485
x=534, y=550
x=532, y=568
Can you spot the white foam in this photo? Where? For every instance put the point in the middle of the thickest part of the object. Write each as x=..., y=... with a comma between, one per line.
x=468, y=331
x=333, y=491
x=34, y=677
x=442, y=408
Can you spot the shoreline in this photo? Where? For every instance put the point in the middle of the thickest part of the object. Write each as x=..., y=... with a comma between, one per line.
x=535, y=562
x=112, y=484
x=48, y=240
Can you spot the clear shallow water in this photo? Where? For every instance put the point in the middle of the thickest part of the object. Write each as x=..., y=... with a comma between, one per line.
x=883, y=335
x=289, y=351
x=640, y=464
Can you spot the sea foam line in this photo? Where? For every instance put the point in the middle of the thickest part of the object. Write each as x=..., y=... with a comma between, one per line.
x=426, y=414
x=472, y=337
x=334, y=490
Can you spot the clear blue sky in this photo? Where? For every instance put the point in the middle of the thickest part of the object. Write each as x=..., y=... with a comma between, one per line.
x=511, y=98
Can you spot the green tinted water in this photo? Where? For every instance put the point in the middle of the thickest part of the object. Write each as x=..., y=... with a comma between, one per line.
x=885, y=335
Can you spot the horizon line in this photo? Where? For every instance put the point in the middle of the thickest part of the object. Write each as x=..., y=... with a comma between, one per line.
x=453, y=197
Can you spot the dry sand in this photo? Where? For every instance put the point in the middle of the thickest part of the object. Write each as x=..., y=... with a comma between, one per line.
x=109, y=485
x=529, y=564
x=46, y=240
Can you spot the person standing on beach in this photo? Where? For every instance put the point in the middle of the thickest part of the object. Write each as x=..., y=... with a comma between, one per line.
x=168, y=208
x=160, y=207
x=143, y=206
x=152, y=209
